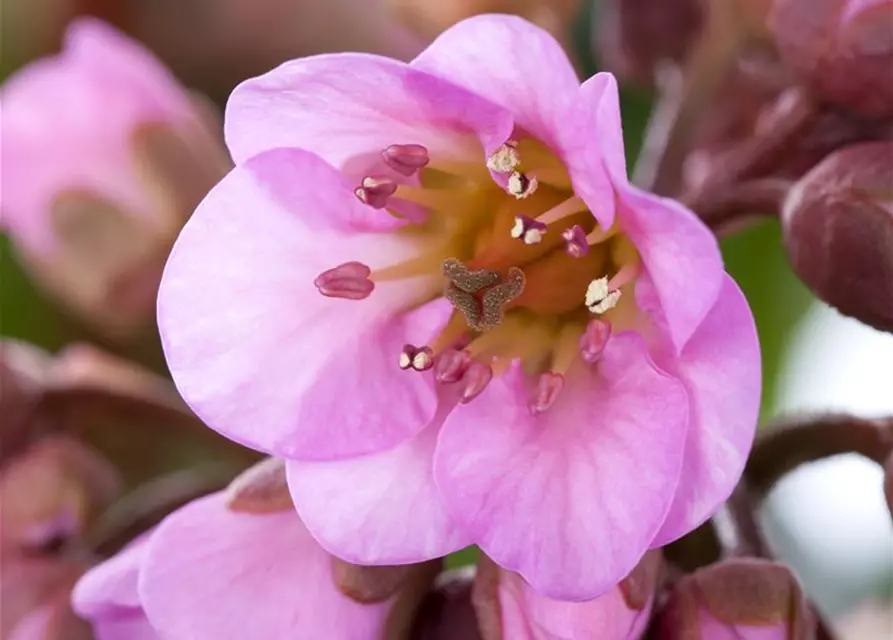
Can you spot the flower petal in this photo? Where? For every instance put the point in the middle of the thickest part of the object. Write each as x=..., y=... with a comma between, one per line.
x=383, y=508
x=511, y=62
x=257, y=351
x=720, y=368
x=134, y=626
x=572, y=498
x=212, y=573
x=349, y=105
x=595, y=156
x=679, y=253
x=109, y=589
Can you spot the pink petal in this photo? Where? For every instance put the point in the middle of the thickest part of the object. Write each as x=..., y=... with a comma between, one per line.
x=607, y=616
x=680, y=255
x=258, y=352
x=211, y=573
x=596, y=159
x=109, y=589
x=126, y=627
x=512, y=63
x=720, y=368
x=572, y=498
x=383, y=508
x=346, y=106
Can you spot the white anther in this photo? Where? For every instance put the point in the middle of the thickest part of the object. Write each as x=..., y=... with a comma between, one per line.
x=504, y=159
x=533, y=236
x=422, y=361
x=405, y=361
x=599, y=298
x=518, y=229
x=520, y=185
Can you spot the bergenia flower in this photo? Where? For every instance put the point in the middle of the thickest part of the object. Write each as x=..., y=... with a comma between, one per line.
x=209, y=572
x=432, y=288
x=105, y=156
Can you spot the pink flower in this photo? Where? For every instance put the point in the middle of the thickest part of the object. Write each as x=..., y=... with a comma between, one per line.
x=622, y=613
x=537, y=358
x=209, y=572
x=104, y=157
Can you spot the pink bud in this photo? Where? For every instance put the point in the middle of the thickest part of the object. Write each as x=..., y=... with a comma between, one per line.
x=843, y=49
x=838, y=230
x=105, y=157
x=746, y=598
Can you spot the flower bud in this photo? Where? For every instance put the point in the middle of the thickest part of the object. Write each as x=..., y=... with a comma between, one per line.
x=635, y=35
x=509, y=609
x=105, y=156
x=838, y=230
x=745, y=598
x=842, y=49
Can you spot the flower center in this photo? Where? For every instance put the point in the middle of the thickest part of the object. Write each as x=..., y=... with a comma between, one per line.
x=529, y=272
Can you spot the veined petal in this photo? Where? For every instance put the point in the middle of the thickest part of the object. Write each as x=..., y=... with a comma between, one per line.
x=720, y=368
x=211, y=573
x=512, y=63
x=257, y=351
x=569, y=499
x=349, y=105
x=680, y=255
x=383, y=508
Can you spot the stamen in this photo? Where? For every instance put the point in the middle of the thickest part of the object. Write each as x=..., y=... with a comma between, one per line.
x=505, y=158
x=451, y=365
x=416, y=358
x=466, y=280
x=521, y=185
x=576, y=245
x=349, y=281
x=475, y=380
x=599, y=297
x=548, y=387
x=594, y=340
x=375, y=191
x=627, y=273
x=527, y=229
x=406, y=159
x=567, y=208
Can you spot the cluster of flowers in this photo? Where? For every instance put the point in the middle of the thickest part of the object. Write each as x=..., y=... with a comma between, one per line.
x=429, y=292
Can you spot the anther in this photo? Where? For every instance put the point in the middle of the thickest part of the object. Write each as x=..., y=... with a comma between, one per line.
x=594, y=340
x=375, y=191
x=406, y=159
x=521, y=185
x=451, y=365
x=416, y=358
x=475, y=380
x=548, y=387
x=575, y=241
x=505, y=159
x=599, y=298
x=527, y=229
x=349, y=281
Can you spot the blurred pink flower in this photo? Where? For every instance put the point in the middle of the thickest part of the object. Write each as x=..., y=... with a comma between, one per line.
x=104, y=157
x=433, y=289
x=209, y=572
